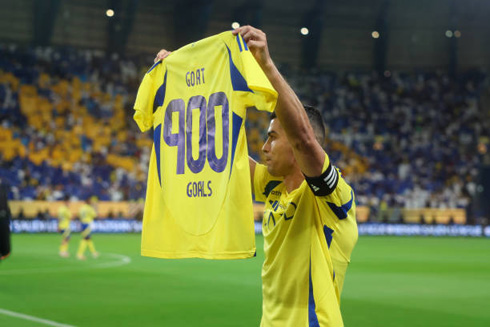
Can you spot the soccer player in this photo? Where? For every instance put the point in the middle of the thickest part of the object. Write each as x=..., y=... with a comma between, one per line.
x=64, y=218
x=4, y=222
x=309, y=223
x=87, y=215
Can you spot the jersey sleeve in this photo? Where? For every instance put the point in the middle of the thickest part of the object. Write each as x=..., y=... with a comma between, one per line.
x=264, y=183
x=331, y=188
x=261, y=94
x=145, y=99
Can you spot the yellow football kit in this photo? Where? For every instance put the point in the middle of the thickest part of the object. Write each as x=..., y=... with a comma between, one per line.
x=198, y=201
x=64, y=217
x=87, y=216
x=309, y=235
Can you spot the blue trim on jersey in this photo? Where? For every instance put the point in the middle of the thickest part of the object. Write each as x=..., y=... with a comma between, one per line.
x=270, y=186
x=341, y=212
x=85, y=226
x=154, y=65
x=160, y=95
x=159, y=99
x=239, y=43
x=245, y=44
x=312, y=317
x=237, y=125
x=157, y=135
x=328, y=234
x=237, y=81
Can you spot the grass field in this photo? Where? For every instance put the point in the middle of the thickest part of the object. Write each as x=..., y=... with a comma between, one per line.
x=391, y=282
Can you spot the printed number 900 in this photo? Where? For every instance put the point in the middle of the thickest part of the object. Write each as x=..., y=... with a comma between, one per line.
x=207, y=132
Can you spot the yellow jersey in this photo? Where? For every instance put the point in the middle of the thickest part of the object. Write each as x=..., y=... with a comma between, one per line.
x=308, y=240
x=198, y=200
x=64, y=217
x=87, y=214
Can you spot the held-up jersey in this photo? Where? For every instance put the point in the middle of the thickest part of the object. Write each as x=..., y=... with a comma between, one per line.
x=309, y=235
x=198, y=201
x=64, y=217
x=87, y=214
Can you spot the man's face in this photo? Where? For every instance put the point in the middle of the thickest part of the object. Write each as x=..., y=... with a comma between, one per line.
x=278, y=153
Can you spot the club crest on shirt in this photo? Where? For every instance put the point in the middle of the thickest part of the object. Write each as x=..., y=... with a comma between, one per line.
x=273, y=215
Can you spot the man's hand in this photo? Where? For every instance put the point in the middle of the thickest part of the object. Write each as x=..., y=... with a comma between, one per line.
x=162, y=54
x=257, y=43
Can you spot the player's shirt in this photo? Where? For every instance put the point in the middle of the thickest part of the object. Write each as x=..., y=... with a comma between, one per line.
x=87, y=214
x=64, y=217
x=198, y=201
x=308, y=240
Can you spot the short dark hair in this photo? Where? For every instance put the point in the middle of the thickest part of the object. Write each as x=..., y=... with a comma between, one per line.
x=316, y=121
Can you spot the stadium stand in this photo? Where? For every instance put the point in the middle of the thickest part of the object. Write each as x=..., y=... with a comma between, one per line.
x=402, y=140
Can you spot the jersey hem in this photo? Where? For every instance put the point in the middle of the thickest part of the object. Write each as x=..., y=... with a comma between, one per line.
x=184, y=255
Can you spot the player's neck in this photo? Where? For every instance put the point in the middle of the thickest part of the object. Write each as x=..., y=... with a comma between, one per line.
x=293, y=180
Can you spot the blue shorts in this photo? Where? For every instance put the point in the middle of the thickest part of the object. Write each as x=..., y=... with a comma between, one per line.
x=86, y=231
x=66, y=233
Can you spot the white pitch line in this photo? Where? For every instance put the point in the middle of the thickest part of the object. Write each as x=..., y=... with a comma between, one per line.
x=31, y=318
x=123, y=260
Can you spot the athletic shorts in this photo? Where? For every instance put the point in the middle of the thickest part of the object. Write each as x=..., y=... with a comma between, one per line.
x=66, y=233
x=87, y=230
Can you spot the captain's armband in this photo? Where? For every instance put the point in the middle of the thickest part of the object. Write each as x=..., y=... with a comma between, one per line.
x=325, y=183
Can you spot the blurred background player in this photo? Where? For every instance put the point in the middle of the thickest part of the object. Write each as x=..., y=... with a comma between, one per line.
x=87, y=215
x=64, y=217
x=4, y=221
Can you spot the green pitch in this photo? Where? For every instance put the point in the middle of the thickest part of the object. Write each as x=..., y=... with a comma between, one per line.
x=391, y=282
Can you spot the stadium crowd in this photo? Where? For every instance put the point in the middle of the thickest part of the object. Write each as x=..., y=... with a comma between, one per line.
x=401, y=140
x=423, y=135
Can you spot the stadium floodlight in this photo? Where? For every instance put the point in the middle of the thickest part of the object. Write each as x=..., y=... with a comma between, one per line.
x=457, y=34
x=482, y=148
x=235, y=25
x=449, y=34
x=375, y=34
x=304, y=31
x=109, y=12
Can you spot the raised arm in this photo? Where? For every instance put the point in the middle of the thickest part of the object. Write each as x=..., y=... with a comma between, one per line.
x=252, y=164
x=289, y=110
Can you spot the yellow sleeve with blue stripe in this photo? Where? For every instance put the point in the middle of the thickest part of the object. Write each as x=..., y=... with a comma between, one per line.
x=264, y=96
x=336, y=200
x=146, y=97
x=332, y=186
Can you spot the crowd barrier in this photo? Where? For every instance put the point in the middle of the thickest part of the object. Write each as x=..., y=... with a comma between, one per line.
x=131, y=210
x=375, y=229
x=105, y=209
